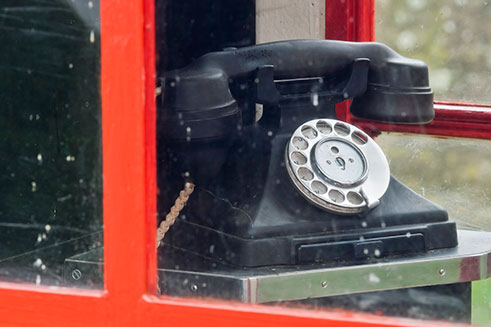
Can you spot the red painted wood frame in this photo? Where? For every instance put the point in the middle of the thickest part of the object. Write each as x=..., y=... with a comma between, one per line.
x=128, y=134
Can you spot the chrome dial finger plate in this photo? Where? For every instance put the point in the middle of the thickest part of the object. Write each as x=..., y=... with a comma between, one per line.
x=337, y=166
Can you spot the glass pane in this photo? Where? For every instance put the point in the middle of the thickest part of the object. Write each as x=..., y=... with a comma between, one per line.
x=265, y=197
x=454, y=173
x=50, y=153
x=453, y=37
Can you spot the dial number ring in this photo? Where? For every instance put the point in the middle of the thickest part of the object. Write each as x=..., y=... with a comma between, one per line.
x=337, y=166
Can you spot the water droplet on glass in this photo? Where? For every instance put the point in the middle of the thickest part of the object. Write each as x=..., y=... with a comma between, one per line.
x=90, y=4
x=37, y=263
x=92, y=37
x=315, y=99
x=372, y=278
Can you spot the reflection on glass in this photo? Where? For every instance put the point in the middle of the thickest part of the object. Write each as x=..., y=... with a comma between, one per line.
x=50, y=153
x=453, y=37
x=264, y=197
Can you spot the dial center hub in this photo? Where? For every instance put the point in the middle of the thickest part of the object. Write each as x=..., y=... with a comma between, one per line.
x=339, y=161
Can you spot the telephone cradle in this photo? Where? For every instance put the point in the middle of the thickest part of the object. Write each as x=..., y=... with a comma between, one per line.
x=279, y=180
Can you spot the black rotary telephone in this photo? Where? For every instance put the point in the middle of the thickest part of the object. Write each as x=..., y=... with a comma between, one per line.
x=279, y=180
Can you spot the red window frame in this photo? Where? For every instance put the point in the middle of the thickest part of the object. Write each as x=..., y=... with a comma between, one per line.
x=128, y=134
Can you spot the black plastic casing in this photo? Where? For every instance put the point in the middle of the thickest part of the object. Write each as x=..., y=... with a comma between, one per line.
x=244, y=210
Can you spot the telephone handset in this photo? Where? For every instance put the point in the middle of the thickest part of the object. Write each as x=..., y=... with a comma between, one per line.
x=297, y=186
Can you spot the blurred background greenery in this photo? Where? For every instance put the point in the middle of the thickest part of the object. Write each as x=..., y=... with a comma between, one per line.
x=453, y=38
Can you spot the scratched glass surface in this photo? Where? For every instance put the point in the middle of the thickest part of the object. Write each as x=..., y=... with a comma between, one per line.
x=453, y=37
x=50, y=148
x=236, y=222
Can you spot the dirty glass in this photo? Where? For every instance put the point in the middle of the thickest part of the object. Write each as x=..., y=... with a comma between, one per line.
x=453, y=37
x=266, y=197
x=50, y=148
x=454, y=173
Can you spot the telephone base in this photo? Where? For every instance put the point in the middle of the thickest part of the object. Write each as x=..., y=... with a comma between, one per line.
x=354, y=246
x=402, y=224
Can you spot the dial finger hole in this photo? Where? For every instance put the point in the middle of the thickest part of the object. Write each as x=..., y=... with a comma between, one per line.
x=336, y=196
x=359, y=138
x=324, y=127
x=305, y=174
x=299, y=143
x=309, y=132
x=341, y=129
x=354, y=198
x=298, y=158
x=318, y=187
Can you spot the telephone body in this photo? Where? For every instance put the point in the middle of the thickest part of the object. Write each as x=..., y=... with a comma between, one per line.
x=243, y=124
